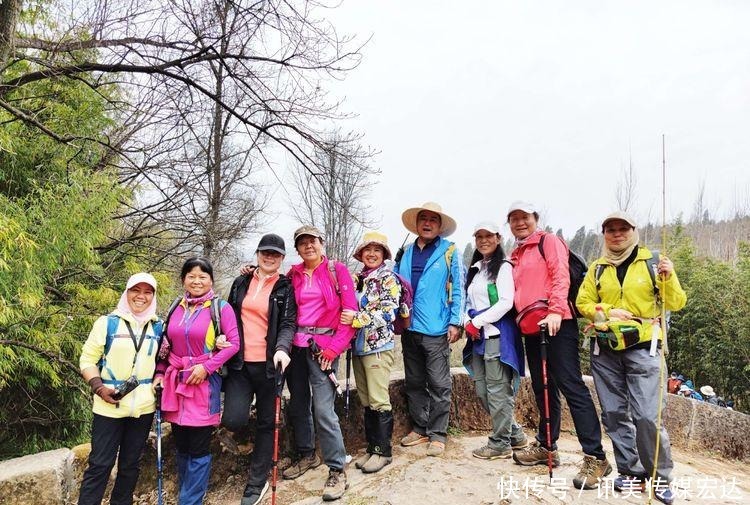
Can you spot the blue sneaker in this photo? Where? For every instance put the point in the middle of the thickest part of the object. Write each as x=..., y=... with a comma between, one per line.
x=627, y=483
x=664, y=495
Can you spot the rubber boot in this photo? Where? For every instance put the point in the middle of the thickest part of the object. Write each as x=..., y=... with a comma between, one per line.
x=371, y=420
x=382, y=454
x=194, y=484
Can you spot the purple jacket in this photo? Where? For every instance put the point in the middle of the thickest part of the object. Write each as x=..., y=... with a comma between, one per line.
x=192, y=342
x=329, y=317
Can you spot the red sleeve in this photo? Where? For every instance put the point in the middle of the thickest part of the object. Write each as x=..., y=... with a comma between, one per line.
x=556, y=257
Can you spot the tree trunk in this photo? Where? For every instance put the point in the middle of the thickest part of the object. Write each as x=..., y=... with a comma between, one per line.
x=9, y=10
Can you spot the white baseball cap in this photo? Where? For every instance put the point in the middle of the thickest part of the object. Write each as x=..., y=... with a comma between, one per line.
x=490, y=226
x=526, y=207
x=140, y=277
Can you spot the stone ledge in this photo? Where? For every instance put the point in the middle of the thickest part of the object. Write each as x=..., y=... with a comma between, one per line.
x=54, y=477
x=37, y=478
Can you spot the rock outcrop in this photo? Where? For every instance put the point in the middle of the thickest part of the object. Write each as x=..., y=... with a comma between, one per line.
x=53, y=477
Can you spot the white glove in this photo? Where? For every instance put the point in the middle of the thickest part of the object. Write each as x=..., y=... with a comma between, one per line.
x=281, y=358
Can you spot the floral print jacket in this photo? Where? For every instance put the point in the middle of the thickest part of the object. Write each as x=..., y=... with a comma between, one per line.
x=378, y=295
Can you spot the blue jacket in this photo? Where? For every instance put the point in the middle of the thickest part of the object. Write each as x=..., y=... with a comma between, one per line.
x=431, y=313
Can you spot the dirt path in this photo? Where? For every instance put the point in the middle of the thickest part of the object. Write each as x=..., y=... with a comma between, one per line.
x=415, y=479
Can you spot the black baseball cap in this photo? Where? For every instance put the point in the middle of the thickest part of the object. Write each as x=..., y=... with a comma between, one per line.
x=272, y=242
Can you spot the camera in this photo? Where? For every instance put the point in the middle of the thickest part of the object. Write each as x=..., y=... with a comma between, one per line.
x=125, y=388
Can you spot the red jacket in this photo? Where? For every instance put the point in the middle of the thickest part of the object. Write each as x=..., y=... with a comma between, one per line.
x=537, y=278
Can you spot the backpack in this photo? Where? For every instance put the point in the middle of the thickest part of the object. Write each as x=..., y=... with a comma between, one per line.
x=113, y=322
x=215, y=315
x=448, y=284
x=651, y=263
x=577, y=268
x=405, y=303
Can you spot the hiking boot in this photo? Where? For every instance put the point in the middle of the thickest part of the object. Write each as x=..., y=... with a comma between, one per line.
x=227, y=441
x=253, y=495
x=335, y=485
x=519, y=443
x=435, y=448
x=592, y=472
x=488, y=452
x=361, y=461
x=664, y=495
x=376, y=463
x=535, y=454
x=301, y=466
x=414, y=438
x=627, y=483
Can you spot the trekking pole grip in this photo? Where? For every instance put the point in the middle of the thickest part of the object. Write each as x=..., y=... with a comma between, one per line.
x=543, y=334
x=157, y=390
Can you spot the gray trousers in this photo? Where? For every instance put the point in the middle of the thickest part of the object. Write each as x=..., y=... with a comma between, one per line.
x=627, y=383
x=493, y=381
x=427, y=382
x=311, y=390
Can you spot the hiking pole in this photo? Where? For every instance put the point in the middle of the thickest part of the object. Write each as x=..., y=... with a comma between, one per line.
x=279, y=383
x=315, y=350
x=543, y=342
x=348, y=378
x=159, y=476
x=663, y=318
x=664, y=345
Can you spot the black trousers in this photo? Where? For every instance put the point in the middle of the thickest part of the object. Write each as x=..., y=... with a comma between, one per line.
x=564, y=376
x=194, y=441
x=108, y=436
x=239, y=389
x=427, y=383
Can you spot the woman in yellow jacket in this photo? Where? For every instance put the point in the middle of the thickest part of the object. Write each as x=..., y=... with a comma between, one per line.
x=118, y=361
x=623, y=299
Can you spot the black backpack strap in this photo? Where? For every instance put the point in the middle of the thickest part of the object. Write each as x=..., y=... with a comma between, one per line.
x=473, y=271
x=541, y=246
x=653, y=264
x=216, y=315
x=170, y=311
x=399, y=255
x=598, y=271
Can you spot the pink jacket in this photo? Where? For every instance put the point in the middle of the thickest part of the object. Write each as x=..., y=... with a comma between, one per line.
x=192, y=342
x=540, y=279
x=329, y=318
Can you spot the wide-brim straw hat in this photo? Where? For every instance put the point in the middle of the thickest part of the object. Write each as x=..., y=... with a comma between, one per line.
x=707, y=391
x=373, y=238
x=447, y=223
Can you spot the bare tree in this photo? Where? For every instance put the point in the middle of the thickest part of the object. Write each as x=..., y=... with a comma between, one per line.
x=700, y=214
x=206, y=92
x=626, y=186
x=335, y=198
